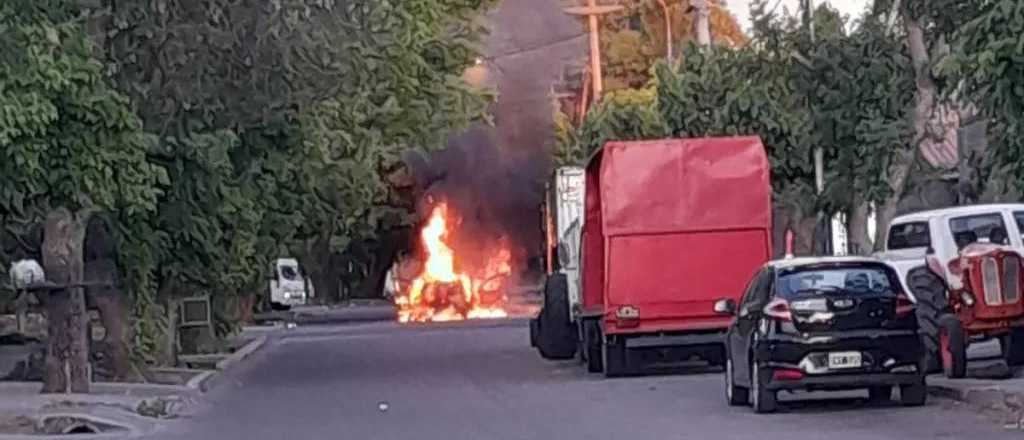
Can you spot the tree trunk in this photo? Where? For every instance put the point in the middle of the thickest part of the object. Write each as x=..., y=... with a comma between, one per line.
x=387, y=250
x=924, y=110
x=668, y=30
x=67, y=357
x=170, y=354
x=100, y=255
x=860, y=242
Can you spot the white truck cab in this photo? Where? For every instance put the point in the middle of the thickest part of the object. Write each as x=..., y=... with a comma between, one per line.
x=288, y=287
x=946, y=231
x=564, y=217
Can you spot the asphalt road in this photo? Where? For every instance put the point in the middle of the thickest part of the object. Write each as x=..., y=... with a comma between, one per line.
x=473, y=382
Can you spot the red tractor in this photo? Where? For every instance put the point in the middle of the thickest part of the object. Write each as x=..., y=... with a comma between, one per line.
x=983, y=303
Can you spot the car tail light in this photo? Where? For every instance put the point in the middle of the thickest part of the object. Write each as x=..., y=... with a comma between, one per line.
x=787, y=374
x=1011, y=278
x=904, y=306
x=990, y=281
x=778, y=309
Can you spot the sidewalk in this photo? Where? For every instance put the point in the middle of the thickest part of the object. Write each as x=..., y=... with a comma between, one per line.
x=990, y=387
x=111, y=409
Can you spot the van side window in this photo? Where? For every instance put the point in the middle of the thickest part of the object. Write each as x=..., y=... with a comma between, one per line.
x=982, y=228
x=909, y=235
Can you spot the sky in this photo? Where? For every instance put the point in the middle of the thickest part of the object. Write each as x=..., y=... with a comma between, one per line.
x=852, y=8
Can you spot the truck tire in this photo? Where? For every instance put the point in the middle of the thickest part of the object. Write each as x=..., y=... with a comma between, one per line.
x=616, y=358
x=1013, y=347
x=930, y=293
x=952, y=347
x=556, y=335
x=592, y=346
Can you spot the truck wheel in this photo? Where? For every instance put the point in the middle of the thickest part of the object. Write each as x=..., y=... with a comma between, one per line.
x=592, y=345
x=930, y=293
x=914, y=394
x=556, y=335
x=1013, y=347
x=952, y=347
x=764, y=400
x=735, y=395
x=616, y=358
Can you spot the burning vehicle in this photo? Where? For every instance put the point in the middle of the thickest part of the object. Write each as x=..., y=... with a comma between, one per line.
x=446, y=287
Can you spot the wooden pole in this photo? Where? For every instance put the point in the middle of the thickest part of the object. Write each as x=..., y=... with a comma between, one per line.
x=702, y=21
x=592, y=11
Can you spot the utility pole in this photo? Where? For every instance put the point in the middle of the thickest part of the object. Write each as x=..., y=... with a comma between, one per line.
x=592, y=11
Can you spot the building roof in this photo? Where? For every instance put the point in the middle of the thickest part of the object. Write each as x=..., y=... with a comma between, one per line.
x=957, y=211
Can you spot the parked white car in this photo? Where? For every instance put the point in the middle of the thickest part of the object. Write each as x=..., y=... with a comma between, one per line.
x=287, y=285
x=946, y=231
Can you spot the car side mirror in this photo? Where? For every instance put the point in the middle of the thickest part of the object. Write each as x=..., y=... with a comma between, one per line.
x=725, y=307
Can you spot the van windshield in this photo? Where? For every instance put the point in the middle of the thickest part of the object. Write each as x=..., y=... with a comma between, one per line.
x=289, y=273
x=859, y=280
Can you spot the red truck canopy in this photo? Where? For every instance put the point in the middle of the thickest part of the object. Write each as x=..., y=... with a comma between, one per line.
x=673, y=225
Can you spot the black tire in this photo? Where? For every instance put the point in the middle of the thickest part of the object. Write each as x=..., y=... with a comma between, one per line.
x=556, y=335
x=1013, y=347
x=616, y=358
x=533, y=332
x=880, y=394
x=954, y=349
x=931, y=302
x=915, y=394
x=278, y=307
x=735, y=395
x=592, y=346
x=762, y=399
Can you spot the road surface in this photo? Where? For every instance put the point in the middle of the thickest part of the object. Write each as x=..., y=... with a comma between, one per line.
x=476, y=382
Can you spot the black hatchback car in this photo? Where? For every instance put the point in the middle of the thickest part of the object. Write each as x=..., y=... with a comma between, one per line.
x=831, y=323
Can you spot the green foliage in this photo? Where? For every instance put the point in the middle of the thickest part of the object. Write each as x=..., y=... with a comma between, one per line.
x=622, y=114
x=988, y=64
x=633, y=41
x=726, y=92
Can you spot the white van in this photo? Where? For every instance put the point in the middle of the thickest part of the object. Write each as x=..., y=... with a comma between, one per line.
x=288, y=287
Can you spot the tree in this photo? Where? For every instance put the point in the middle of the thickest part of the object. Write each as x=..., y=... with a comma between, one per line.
x=985, y=67
x=73, y=148
x=634, y=39
x=411, y=97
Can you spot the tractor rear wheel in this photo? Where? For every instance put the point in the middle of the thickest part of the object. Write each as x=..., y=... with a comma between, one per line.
x=931, y=302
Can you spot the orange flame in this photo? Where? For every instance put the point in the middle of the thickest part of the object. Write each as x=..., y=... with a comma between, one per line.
x=439, y=270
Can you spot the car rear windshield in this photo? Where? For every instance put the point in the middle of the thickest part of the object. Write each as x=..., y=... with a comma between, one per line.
x=857, y=280
x=909, y=235
x=982, y=228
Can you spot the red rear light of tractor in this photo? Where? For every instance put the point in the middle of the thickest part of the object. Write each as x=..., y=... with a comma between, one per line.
x=778, y=309
x=904, y=306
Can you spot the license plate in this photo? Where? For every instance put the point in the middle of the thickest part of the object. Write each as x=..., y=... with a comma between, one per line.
x=844, y=359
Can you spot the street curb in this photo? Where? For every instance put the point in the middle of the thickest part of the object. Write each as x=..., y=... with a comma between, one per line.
x=206, y=380
x=990, y=400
